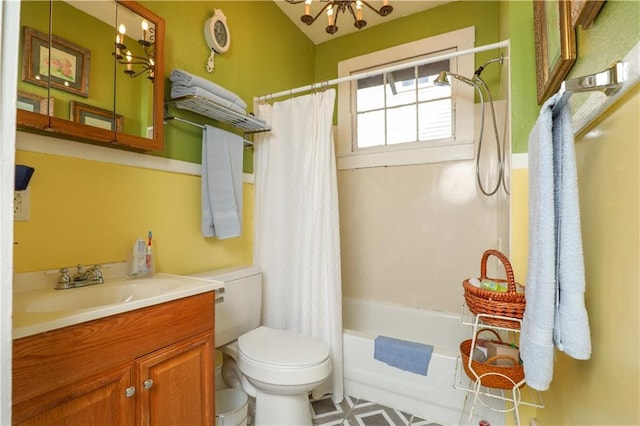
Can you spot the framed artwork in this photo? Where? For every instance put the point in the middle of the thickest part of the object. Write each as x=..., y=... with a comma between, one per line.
x=30, y=102
x=65, y=65
x=96, y=117
x=584, y=12
x=555, y=45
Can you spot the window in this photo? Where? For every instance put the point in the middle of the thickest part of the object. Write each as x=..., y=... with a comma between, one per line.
x=401, y=117
x=402, y=107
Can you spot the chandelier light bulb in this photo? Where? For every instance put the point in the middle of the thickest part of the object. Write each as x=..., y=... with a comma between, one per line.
x=334, y=7
x=143, y=60
x=145, y=28
x=129, y=59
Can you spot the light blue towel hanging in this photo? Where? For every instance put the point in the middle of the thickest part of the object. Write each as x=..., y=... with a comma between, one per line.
x=555, y=314
x=221, y=183
x=408, y=356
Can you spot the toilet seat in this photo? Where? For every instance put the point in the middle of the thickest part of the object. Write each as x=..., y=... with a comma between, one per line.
x=282, y=357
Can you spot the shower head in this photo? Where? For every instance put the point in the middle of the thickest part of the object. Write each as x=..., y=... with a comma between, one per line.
x=442, y=80
x=490, y=61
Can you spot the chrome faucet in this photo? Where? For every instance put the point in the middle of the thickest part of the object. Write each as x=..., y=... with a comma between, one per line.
x=82, y=278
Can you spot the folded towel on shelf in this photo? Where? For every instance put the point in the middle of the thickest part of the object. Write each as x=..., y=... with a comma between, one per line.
x=221, y=187
x=408, y=356
x=178, y=90
x=184, y=78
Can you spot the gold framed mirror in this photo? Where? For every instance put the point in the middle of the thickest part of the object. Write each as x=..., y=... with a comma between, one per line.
x=104, y=55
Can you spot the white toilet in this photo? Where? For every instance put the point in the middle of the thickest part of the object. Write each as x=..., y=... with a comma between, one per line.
x=277, y=367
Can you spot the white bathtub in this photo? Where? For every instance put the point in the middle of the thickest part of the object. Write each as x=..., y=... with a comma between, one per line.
x=431, y=397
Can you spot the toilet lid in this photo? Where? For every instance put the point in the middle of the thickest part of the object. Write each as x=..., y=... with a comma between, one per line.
x=282, y=348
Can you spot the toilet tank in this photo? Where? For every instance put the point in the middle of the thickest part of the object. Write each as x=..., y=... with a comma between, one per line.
x=240, y=310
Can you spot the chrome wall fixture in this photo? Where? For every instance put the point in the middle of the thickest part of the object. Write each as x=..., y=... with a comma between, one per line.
x=479, y=84
x=333, y=7
x=137, y=64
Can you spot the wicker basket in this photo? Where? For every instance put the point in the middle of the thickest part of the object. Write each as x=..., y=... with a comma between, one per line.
x=492, y=376
x=509, y=304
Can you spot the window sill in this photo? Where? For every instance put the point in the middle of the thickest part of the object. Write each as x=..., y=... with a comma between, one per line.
x=361, y=160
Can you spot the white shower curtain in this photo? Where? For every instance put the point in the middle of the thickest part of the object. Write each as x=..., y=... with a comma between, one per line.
x=297, y=240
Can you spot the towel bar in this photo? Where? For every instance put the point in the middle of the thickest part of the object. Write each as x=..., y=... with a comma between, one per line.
x=608, y=81
x=200, y=126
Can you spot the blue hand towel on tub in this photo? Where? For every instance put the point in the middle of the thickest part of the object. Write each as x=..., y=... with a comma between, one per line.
x=408, y=356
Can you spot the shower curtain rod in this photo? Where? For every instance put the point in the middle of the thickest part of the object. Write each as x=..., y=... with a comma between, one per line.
x=327, y=83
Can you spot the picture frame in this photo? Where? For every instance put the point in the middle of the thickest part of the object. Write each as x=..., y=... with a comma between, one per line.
x=584, y=12
x=67, y=62
x=34, y=103
x=97, y=117
x=555, y=45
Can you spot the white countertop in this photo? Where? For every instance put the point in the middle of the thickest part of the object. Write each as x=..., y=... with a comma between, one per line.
x=38, y=307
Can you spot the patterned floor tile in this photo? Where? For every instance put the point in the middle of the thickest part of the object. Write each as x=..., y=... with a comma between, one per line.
x=354, y=411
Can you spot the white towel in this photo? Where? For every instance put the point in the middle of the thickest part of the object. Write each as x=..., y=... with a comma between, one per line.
x=184, y=78
x=555, y=312
x=221, y=183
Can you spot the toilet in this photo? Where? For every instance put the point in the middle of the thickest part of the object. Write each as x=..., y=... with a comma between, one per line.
x=277, y=367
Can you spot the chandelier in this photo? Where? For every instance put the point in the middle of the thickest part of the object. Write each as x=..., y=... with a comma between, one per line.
x=137, y=64
x=333, y=7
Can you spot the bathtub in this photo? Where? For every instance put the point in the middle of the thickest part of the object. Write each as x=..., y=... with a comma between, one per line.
x=430, y=397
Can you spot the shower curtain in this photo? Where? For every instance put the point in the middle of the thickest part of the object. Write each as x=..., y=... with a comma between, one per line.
x=297, y=241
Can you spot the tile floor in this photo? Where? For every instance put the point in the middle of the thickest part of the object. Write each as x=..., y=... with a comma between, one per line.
x=354, y=411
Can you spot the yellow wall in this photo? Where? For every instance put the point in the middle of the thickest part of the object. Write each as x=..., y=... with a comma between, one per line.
x=605, y=389
x=92, y=212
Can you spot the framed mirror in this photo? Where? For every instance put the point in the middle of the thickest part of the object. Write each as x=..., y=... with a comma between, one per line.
x=97, y=61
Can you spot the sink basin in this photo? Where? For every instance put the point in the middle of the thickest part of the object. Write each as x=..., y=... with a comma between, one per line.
x=38, y=308
x=98, y=295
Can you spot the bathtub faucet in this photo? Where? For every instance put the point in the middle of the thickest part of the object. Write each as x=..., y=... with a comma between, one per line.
x=82, y=278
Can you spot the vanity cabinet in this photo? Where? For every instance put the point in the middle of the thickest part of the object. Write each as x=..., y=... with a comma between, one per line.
x=176, y=384
x=149, y=366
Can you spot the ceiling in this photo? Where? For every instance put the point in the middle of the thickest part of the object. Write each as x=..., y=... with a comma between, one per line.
x=316, y=31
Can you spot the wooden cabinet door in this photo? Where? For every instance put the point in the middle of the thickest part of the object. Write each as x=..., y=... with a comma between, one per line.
x=176, y=384
x=98, y=400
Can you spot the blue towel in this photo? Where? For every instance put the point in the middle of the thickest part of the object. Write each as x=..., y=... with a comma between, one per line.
x=183, y=78
x=408, y=356
x=178, y=90
x=555, y=314
x=221, y=183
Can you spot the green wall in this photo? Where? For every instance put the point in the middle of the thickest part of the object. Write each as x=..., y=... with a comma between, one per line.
x=615, y=30
x=453, y=16
x=268, y=53
x=260, y=60
x=524, y=108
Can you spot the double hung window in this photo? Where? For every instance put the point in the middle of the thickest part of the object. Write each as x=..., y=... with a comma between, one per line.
x=400, y=116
